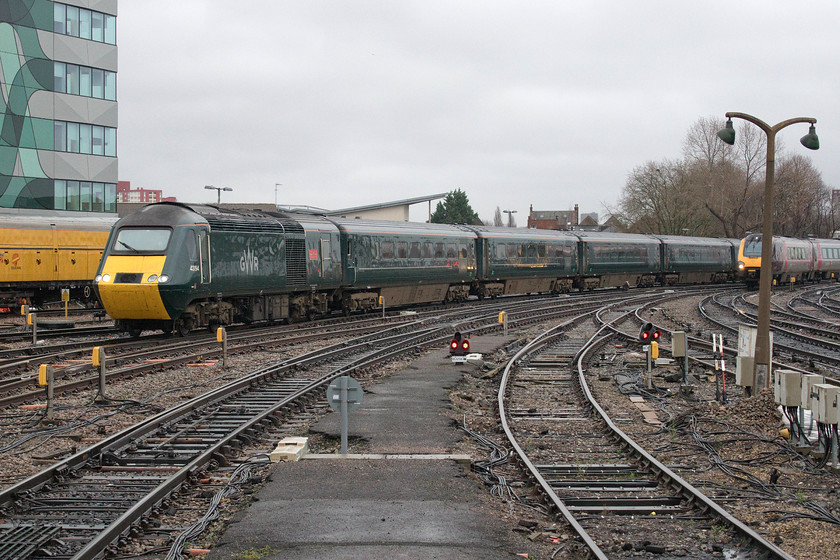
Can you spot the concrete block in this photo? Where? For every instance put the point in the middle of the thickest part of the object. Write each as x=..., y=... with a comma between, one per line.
x=290, y=449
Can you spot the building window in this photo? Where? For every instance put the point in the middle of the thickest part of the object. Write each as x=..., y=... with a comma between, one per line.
x=85, y=196
x=86, y=81
x=84, y=23
x=80, y=138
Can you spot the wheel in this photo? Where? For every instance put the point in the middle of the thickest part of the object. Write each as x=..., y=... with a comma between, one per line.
x=183, y=327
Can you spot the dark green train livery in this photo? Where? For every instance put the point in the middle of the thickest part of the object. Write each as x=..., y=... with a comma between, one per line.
x=174, y=266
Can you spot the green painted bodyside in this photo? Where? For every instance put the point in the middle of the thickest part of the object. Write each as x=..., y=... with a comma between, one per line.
x=608, y=257
x=529, y=258
x=366, y=266
x=696, y=258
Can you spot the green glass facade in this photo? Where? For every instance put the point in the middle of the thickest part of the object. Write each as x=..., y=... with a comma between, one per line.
x=58, y=108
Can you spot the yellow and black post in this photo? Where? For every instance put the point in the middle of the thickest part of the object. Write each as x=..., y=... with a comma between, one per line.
x=32, y=319
x=221, y=337
x=45, y=379
x=98, y=360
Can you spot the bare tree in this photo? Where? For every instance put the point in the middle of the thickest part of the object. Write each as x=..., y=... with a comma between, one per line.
x=802, y=200
x=727, y=180
x=497, y=217
x=657, y=199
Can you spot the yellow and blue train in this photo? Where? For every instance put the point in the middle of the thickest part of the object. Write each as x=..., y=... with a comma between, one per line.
x=175, y=267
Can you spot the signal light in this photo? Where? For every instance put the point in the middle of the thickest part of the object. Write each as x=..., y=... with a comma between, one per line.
x=649, y=333
x=459, y=346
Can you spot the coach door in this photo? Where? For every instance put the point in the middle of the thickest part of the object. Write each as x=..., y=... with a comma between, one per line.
x=326, y=258
x=204, y=256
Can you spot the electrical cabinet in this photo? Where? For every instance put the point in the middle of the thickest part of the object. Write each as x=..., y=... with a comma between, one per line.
x=790, y=387
x=678, y=344
x=827, y=412
x=808, y=381
x=744, y=375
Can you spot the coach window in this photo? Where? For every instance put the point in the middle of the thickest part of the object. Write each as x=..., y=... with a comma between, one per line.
x=501, y=251
x=388, y=250
x=402, y=249
x=414, y=250
x=463, y=250
x=451, y=251
x=439, y=250
x=428, y=252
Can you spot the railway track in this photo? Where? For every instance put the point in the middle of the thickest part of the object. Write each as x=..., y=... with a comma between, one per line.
x=796, y=343
x=600, y=480
x=128, y=358
x=90, y=502
x=94, y=500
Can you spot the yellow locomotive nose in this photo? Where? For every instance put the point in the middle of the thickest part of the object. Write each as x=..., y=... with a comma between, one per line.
x=128, y=287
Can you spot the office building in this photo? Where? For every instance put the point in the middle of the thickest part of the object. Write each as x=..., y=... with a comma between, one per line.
x=58, y=105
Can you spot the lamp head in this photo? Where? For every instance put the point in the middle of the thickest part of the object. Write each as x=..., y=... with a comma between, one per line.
x=811, y=140
x=727, y=134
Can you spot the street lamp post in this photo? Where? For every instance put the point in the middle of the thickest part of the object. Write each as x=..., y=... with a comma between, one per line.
x=276, y=186
x=218, y=191
x=510, y=214
x=762, y=344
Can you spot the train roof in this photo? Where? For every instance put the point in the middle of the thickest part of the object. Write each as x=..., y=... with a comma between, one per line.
x=382, y=227
x=611, y=237
x=496, y=232
x=691, y=240
x=178, y=213
x=26, y=218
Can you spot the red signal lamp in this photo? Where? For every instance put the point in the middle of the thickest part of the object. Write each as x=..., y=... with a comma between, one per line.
x=459, y=345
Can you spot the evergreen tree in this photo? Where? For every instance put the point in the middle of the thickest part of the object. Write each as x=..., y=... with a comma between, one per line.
x=455, y=209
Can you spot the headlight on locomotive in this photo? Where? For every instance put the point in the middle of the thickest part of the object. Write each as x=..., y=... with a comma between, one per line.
x=163, y=279
x=152, y=278
x=741, y=265
x=102, y=278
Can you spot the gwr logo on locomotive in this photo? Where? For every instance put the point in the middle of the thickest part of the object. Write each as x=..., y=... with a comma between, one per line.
x=248, y=262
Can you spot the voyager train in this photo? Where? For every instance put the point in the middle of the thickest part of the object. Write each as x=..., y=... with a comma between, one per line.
x=175, y=267
x=793, y=260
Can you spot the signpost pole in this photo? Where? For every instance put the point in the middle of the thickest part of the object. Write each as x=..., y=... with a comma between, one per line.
x=344, y=416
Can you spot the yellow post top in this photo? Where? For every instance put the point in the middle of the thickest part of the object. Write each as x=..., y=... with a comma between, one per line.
x=23, y=309
x=793, y=279
x=42, y=375
x=96, y=356
x=654, y=350
x=220, y=334
x=381, y=300
x=502, y=315
x=29, y=318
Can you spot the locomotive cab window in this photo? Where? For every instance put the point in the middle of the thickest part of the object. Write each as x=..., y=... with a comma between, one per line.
x=146, y=241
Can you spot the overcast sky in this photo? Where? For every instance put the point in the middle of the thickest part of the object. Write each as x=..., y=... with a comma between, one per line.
x=543, y=103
